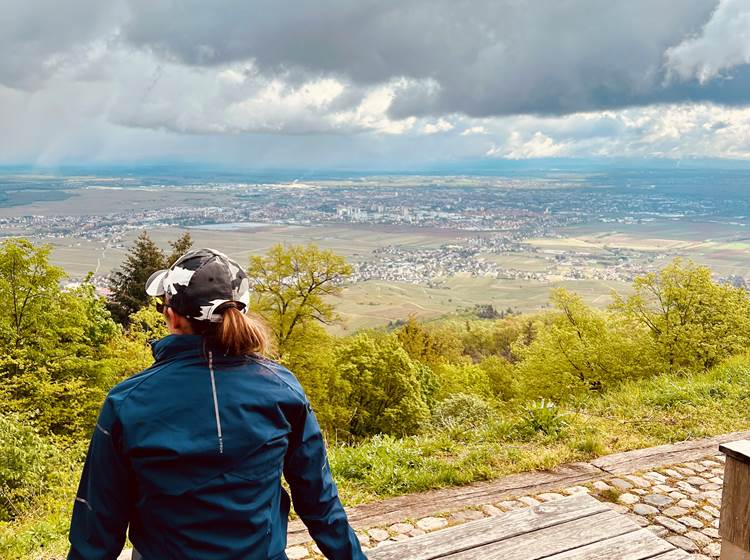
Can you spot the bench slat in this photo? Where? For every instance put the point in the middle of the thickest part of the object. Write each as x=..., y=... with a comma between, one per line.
x=640, y=545
x=493, y=529
x=676, y=554
x=552, y=540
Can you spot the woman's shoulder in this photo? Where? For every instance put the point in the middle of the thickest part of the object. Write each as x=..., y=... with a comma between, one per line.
x=123, y=389
x=279, y=373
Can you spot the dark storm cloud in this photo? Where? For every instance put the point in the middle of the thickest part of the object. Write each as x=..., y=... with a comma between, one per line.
x=479, y=57
x=38, y=38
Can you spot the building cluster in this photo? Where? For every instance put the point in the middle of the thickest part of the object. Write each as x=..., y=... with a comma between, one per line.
x=495, y=216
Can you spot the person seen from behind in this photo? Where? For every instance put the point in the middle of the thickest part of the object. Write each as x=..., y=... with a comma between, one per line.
x=187, y=456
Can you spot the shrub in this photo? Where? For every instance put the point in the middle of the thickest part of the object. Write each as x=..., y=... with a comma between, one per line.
x=544, y=417
x=462, y=378
x=461, y=411
x=29, y=466
x=386, y=396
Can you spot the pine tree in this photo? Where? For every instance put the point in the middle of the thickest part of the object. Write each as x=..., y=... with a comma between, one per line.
x=127, y=285
x=179, y=247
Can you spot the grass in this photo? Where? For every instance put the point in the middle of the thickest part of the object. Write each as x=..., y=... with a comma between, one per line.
x=641, y=414
x=666, y=409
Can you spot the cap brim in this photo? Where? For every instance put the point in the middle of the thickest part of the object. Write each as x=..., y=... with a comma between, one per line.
x=155, y=283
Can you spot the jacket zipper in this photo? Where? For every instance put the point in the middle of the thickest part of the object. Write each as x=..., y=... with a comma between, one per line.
x=216, y=401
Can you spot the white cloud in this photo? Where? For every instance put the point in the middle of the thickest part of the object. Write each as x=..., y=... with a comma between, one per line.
x=441, y=125
x=723, y=43
x=539, y=145
x=97, y=96
x=674, y=131
x=372, y=114
x=473, y=130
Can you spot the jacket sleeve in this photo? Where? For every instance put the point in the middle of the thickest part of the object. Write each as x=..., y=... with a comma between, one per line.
x=314, y=493
x=103, y=503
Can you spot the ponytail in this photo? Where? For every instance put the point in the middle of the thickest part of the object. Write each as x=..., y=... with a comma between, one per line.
x=240, y=334
x=237, y=334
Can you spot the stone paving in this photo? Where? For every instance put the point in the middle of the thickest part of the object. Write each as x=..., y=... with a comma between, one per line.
x=679, y=503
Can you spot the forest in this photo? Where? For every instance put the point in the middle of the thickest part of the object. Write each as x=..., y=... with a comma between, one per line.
x=418, y=405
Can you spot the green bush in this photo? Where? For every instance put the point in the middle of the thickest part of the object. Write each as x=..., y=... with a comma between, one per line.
x=29, y=466
x=544, y=417
x=461, y=411
x=386, y=395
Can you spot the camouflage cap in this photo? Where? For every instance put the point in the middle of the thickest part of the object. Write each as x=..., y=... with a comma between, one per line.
x=199, y=282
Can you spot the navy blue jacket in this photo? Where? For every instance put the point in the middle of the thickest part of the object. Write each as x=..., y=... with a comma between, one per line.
x=191, y=457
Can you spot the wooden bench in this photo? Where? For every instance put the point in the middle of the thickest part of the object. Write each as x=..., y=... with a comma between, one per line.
x=574, y=528
x=735, y=502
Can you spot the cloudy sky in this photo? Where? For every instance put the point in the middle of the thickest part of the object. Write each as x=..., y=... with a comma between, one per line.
x=372, y=83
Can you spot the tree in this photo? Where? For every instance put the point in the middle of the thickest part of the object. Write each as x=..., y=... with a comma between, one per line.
x=28, y=285
x=127, y=285
x=481, y=339
x=146, y=325
x=581, y=350
x=56, y=363
x=503, y=383
x=431, y=346
x=179, y=247
x=385, y=396
x=462, y=378
x=290, y=287
x=313, y=361
x=693, y=321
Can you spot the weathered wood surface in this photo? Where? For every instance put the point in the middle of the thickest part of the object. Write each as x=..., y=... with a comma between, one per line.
x=414, y=506
x=734, y=525
x=652, y=457
x=732, y=552
x=574, y=528
x=672, y=555
x=555, y=539
x=737, y=450
x=477, y=533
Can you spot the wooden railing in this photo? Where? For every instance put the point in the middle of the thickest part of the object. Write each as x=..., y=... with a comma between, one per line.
x=734, y=524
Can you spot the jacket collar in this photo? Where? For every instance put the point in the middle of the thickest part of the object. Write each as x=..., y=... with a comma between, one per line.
x=174, y=344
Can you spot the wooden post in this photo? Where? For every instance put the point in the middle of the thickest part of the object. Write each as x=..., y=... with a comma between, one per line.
x=734, y=525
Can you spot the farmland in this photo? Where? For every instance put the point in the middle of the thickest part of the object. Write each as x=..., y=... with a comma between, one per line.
x=422, y=246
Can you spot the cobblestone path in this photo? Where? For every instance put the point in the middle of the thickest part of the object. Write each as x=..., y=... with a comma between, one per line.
x=680, y=503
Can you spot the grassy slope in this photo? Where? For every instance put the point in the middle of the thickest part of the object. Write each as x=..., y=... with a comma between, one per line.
x=668, y=409
x=639, y=414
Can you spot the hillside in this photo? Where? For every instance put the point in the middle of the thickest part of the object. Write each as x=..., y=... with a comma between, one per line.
x=417, y=407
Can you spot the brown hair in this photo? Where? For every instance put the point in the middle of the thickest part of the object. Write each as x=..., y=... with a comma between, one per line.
x=237, y=334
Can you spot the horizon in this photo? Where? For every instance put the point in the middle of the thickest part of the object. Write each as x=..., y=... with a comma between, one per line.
x=472, y=167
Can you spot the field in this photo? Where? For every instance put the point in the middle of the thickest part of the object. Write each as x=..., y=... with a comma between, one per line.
x=354, y=242
x=376, y=303
x=365, y=304
x=105, y=200
x=724, y=248
x=526, y=262
x=591, y=249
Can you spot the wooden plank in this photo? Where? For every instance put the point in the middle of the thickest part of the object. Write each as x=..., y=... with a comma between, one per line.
x=675, y=554
x=552, y=540
x=414, y=506
x=639, y=545
x=734, y=524
x=732, y=552
x=737, y=450
x=652, y=457
x=492, y=530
